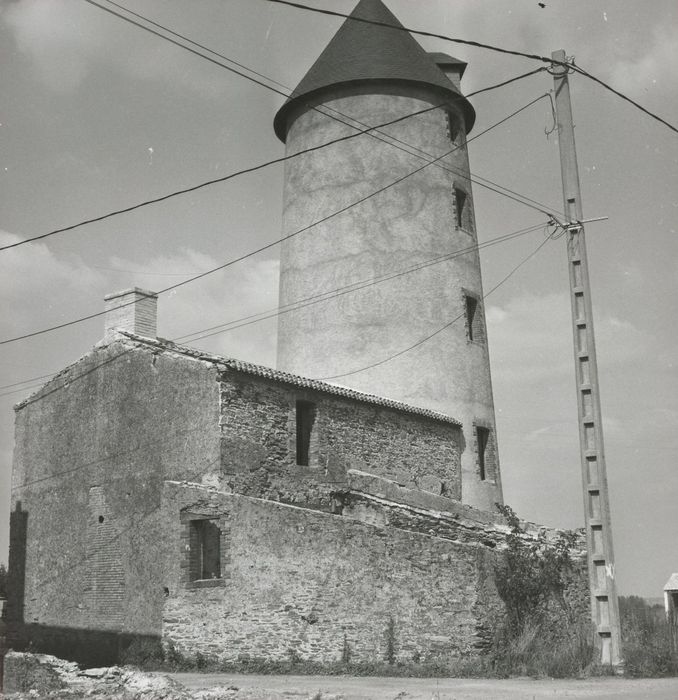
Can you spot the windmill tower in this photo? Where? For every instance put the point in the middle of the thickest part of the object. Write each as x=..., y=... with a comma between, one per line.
x=370, y=75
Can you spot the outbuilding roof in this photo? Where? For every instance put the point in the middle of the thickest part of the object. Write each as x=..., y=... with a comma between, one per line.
x=285, y=377
x=378, y=48
x=672, y=583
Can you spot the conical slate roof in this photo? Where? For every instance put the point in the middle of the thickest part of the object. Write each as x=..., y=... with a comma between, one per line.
x=361, y=52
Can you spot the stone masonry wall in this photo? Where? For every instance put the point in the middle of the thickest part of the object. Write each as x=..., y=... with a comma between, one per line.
x=259, y=444
x=93, y=449
x=306, y=584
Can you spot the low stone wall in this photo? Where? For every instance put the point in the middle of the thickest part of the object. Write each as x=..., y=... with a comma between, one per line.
x=383, y=502
x=302, y=584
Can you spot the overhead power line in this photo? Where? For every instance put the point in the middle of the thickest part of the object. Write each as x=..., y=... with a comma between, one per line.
x=475, y=179
x=350, y=288
x=330, y=112
x=359, y=285
x=478, y=44
x=25, y=381
x=275, y=161
x=419, y=32
x=439, y=330
x=342, y=117
x=624, y=97
x=207, y=183
x=279, y=240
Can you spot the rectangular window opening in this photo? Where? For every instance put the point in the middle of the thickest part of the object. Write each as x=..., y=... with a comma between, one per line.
x=483, y=438
x=474, y=319
x=205, y=545
x=460, y=207
x=452, y=127
x=306, y=414
x=486, y=452
x=455, y=129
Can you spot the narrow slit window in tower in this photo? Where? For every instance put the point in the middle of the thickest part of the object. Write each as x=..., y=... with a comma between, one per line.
x=452, y=128
x=483, y=440
x=306, y=413
x=460, y=207
x=474, y=319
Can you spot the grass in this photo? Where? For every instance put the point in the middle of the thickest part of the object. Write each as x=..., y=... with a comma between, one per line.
x=151, y=657
x=649, y=640
x=544, y=650
x=555, y=646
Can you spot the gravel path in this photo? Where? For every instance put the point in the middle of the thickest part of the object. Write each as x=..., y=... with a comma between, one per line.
x=353, y=688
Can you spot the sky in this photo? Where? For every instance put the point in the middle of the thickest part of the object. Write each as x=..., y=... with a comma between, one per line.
x=97, y=115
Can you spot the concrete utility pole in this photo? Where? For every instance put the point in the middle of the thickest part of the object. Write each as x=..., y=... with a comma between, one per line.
x=603, y=589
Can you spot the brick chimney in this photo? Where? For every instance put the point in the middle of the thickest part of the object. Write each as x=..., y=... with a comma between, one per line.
x=452, y=67
x=134, y=310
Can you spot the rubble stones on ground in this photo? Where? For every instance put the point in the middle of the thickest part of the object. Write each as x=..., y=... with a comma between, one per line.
x=29, y=676
x=44, y=676
x=232, y=693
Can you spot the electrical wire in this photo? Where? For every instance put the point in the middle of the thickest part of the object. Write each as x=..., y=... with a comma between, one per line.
x=475, y=179
x=367, y=130
x=433, y=35
x=621, y=95
x=350, y=288
x=302, y=303
x=279, y=240
x=328, y=111
x=477, y=44
x=440, y=330
x=145, y=272
x=214, y=181
x=26, y=381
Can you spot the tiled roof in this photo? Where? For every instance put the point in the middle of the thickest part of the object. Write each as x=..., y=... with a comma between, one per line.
x=361, y=52
x=285, y=377
x=672, y=583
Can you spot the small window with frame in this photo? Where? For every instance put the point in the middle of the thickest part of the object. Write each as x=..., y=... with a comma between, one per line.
x=205, y=549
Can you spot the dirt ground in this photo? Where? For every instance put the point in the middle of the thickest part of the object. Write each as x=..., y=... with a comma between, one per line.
x=352, y=688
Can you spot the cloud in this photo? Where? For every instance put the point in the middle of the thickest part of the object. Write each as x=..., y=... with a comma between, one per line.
x=69, y=41
x=235, y=293
x=531, y=339
x=655, y=67
x=54, y=34
x=41, y=289
x=35, y=285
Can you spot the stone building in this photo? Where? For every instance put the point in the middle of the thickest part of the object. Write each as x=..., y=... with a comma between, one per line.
x=240, y=511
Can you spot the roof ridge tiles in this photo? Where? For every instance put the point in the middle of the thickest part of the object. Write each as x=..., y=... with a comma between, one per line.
x=286, y=377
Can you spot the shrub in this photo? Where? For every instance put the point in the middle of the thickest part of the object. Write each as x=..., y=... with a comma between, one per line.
x=545, y=632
